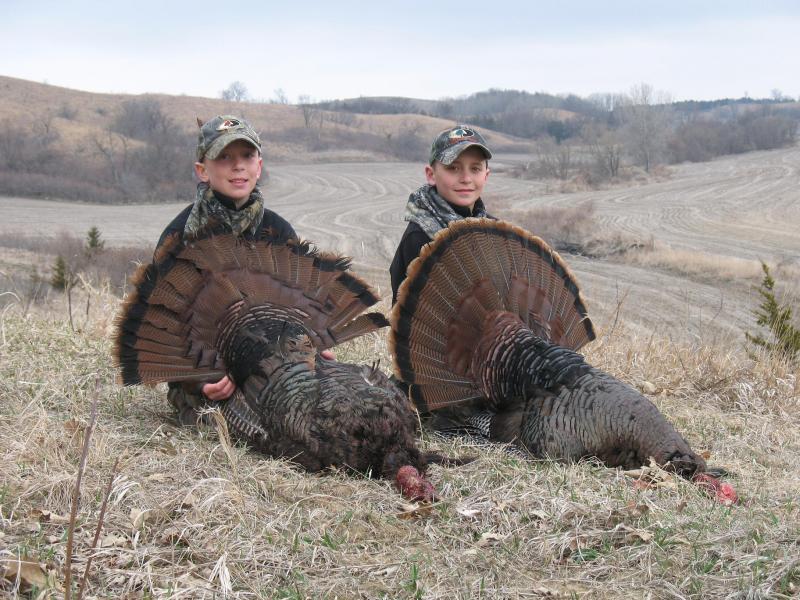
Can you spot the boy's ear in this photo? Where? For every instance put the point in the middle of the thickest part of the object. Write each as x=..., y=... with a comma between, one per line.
x=200, y=171
x=429, y=175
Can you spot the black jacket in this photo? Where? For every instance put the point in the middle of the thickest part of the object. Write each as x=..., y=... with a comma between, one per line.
x=414, y=238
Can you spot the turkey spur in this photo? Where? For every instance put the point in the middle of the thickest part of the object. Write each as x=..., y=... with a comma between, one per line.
x=489, y=320
x=260, y=312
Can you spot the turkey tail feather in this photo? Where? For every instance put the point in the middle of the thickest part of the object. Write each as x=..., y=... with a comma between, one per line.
x=474, y=268
x=171, y=327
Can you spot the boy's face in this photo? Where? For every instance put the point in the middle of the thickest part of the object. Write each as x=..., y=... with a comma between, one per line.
x=461, y=182
x=234, y=173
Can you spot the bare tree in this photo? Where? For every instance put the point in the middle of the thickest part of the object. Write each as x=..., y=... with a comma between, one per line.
x=646, y=124
x=235, y=92
x=608, y=106
x=28, y=148
x=113, y=147
x=16, y=146
x=45, y=130
x=408, y=143
x=143, y=119
x=280, y=97
x=555, y=160
x=779, y=96
x=343, y=118
x=605, y=146
x=310, y=110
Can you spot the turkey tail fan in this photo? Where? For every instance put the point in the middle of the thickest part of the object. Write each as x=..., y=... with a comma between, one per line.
x=474, y=268
x=175, y=323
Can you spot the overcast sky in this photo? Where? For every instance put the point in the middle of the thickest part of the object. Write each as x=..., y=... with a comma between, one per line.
x=693, y=49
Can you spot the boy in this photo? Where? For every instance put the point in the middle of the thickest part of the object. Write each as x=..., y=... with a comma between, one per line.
x=228, y=168
x=456, y=174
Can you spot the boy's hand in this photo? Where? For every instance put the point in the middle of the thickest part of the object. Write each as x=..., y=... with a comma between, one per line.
x=221, y=390
x=327, y=355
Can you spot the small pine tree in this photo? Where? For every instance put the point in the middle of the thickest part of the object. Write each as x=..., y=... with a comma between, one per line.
x=777, y=319
x=60, y=278
x=94, y=243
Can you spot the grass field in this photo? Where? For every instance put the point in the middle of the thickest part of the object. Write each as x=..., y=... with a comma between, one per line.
x=190, y=516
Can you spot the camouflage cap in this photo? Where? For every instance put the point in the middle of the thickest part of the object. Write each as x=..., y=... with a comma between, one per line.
x=221, y=131
x=450, y=143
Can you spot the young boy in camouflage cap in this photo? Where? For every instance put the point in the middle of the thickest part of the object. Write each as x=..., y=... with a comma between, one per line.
x=456, y=173
x=228, y=168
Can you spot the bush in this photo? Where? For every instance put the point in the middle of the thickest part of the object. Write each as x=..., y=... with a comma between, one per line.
x=61, y=277
x=94, y=243
x=777, y=318
x=67, y=111
x=408, y=143
x=24, y=286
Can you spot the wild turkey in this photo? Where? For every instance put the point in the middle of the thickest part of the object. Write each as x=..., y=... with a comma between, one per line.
x=260, y=313
x=487, y=324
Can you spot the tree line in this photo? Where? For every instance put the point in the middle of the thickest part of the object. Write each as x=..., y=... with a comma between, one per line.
x=143, y=155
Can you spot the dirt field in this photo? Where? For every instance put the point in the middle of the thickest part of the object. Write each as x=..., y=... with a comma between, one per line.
x=745, y=207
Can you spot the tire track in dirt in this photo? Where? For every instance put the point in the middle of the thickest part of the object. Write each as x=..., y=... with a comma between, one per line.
x=745, y=206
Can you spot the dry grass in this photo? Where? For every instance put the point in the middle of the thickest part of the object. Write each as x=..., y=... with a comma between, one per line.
x=192, y=517
x=26, y=264
x=572, y=229
x=710, y=268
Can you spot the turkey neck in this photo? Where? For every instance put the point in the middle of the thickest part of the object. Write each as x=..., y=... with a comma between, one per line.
x=260, y=339
x=509, y=360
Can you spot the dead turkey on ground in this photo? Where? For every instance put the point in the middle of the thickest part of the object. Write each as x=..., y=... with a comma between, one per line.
x=260, y=313
x=485, y=330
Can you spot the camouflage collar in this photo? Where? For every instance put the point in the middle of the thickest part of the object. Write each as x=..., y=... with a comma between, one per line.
x=209, y=212
x=431, y=212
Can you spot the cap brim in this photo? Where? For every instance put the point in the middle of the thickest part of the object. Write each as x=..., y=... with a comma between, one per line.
x=226, y=139
x=449, y=154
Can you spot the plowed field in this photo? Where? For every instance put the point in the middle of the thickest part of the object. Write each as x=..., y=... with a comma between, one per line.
x=746, y=207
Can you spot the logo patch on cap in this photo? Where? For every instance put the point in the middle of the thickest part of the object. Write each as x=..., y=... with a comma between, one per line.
x=461, y=134
x=228, y=124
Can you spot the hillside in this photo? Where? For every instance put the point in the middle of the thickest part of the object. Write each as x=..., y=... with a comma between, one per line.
x=80, y=117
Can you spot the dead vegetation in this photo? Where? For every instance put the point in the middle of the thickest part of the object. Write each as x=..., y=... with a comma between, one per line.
x=572, y=229
x=576, y=229
x=192, y=516
x=114, y=148
x=27, y=265
x=709, y=267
